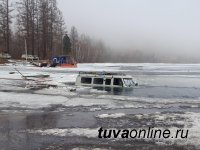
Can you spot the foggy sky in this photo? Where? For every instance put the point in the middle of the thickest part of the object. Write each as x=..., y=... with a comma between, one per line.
x=158, y=25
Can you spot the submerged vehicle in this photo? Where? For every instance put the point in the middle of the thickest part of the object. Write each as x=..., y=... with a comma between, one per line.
x=105, y=79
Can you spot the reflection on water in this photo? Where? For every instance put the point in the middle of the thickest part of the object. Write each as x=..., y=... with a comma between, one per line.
x=16, y=121
x=44, y=121
x=154, y=92
x=116, y=90
x=12, y=123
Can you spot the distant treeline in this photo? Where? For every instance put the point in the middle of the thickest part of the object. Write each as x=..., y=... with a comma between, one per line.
x=40, y=28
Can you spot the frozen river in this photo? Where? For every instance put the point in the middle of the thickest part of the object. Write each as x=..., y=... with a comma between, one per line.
x=56, y=117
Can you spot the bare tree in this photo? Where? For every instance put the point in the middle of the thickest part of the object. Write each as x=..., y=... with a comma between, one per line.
x=90, y=50
x=74, y=41
x=25, y=22
x=52, y=27
x=58, y=31
x=5, y=21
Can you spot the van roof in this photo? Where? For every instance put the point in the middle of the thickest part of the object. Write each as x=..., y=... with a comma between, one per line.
x=100, y=73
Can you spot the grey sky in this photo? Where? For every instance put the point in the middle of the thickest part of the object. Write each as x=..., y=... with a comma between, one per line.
x=161, y=25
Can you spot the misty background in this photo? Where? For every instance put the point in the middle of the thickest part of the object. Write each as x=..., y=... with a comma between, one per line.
x=139, y=30
x=135, y=31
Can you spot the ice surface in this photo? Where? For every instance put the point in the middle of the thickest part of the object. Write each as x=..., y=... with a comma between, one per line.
x=34, y=101
x=46, y=97
x=178, y=78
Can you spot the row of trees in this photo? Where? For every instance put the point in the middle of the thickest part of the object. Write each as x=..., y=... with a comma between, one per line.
x=5, y=21
x=40, y=24
x=40, y=28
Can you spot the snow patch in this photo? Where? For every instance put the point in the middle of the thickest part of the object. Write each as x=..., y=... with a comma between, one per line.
x=85, y=132
x=116, y=115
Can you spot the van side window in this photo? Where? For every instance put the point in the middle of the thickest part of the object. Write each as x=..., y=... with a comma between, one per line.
x=108, y=81
x=98, y=80
x=86, y=80
x=117, y=81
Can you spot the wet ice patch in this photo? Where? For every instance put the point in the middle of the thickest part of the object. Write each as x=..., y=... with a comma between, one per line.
x=146, y=102
x=88, y=102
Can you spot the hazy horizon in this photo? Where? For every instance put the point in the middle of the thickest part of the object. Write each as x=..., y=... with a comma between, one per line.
x=160, y=26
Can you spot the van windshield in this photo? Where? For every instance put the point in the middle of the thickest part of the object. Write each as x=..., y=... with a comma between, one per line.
x=128, y=82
